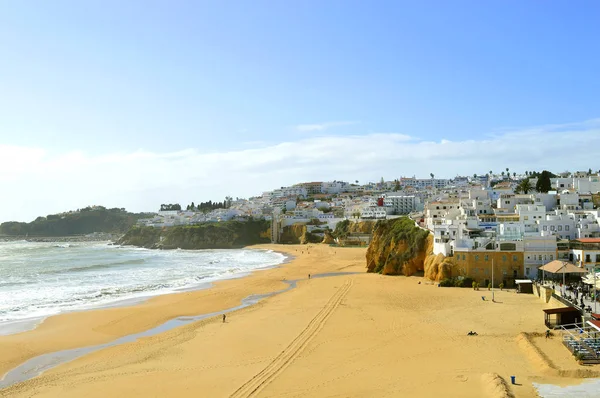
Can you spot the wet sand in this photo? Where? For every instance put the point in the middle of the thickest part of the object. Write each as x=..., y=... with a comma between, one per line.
x=359, y=335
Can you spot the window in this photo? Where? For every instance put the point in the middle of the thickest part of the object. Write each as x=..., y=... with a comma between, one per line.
x=540, y=257
x=504, y=257
x=477, y=257
x=551, y=227
x=545, y=227
x=527, y=271
x=560, y=227
x=587, y=258
x=514, y=258
x=551, y=257
x=566, y=227
x=486, y=257
x=464, y=257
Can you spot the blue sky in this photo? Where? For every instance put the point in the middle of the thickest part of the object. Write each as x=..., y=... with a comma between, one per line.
x=83, y=82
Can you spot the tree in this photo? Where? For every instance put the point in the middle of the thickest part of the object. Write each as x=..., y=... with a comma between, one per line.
x=396, y=185
x=543, y=183
x=491, y=174
x=524, y=186
x=590, y=172
x=474, y=175
x=502, y=175
x=514, y=174
x=432, y=175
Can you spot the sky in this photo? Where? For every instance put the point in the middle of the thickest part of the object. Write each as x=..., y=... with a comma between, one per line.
x=137, y=103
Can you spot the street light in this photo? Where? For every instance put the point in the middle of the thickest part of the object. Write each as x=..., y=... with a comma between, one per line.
x=564, y=266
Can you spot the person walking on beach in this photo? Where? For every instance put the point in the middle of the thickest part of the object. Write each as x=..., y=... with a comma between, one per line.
x=308, y=276
x=224, y=316
x=548, y=333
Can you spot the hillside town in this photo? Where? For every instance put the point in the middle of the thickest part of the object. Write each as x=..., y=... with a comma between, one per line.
x=476, y=219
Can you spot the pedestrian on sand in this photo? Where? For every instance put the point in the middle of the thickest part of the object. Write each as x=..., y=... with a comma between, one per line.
x=308, y=276
x=224, y=316
x=547, y=333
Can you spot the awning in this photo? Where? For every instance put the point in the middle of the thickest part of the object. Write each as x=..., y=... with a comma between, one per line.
x=562, y=267
x=561, y=310
x=519, y=281
x=594, y=324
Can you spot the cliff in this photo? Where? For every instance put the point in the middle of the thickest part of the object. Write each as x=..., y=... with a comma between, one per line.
x=346, y=227
x=80, y=222
x=225, y=235
x=298, y=234
x=399, y=247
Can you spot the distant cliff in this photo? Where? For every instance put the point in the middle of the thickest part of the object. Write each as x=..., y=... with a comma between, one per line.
x=81, y=222
x=399, y=247
x=222, y=235
x=298, y=234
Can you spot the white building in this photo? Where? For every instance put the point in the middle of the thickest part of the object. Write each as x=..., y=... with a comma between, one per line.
x=559, y=224
x=402, y=204
x=539, y=250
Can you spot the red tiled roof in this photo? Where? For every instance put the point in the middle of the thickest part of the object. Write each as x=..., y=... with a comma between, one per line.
x=588, y=240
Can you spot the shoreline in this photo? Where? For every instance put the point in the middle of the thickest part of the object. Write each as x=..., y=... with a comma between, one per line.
x=17, y=326
x=401, y=335
x=87, y=322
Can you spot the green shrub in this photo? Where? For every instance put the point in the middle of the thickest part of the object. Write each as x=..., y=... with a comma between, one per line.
x=474, y=284
x=467, y=282
x=501, y=285
x=448, y=282
x=490, y=286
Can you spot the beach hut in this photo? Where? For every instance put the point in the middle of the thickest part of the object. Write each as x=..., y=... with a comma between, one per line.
x=524, y=285
x=554, y=317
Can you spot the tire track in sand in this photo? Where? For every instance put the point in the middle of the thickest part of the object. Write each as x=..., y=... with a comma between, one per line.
x=253, y=386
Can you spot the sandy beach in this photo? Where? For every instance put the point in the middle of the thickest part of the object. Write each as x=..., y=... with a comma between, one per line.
x=358, y=335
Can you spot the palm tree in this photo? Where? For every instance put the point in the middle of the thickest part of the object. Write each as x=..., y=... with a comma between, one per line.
x=508, y=173
x=514, y=174
x=524, y=186
x=502, y=175
x=491, y=174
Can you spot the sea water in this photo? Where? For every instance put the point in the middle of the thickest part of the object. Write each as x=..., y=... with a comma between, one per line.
x=39, y=279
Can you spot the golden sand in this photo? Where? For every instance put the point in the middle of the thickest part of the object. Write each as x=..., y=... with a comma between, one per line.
x=361, y=335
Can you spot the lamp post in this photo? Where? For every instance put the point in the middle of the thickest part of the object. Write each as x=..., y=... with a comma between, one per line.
x=595, y=298
x=493, y=279
x=564, y=266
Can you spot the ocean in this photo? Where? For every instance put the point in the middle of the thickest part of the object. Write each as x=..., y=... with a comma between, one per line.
x=39, y=279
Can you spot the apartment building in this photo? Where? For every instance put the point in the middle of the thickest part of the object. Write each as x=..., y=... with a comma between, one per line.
x=401, y=204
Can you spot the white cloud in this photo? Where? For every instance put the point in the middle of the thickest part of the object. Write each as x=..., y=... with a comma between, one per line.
x=323, y=126
x=36, y=182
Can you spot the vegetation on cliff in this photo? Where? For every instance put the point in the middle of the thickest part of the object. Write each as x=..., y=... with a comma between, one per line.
x=224, y=235
x=395, y=243
x=80, y=222
x=400, y=247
